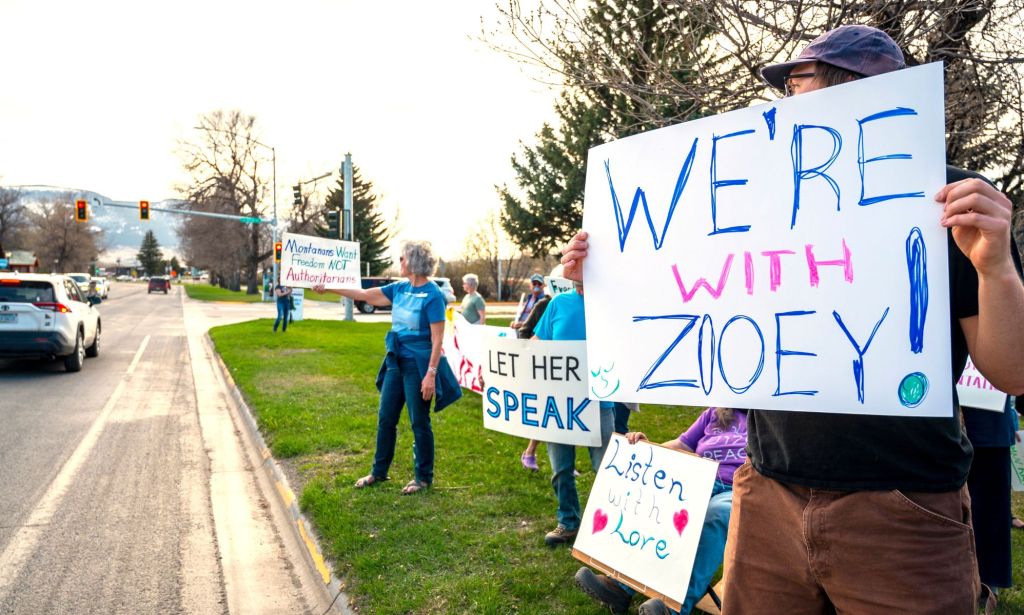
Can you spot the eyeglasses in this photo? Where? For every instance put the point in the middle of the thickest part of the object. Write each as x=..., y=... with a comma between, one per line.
x=790, y=77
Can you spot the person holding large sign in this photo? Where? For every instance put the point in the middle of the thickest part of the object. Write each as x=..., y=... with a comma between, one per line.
x=718, y=434
x=877, y=501
x=413, y=370
x=564, y=320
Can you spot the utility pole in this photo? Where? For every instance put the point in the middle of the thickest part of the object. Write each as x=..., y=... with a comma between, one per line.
x=346, y=172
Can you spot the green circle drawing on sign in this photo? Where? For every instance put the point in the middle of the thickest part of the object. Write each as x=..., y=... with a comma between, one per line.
x=913, y=389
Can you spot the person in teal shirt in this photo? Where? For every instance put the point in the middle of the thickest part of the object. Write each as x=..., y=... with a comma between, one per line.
x=473, y=306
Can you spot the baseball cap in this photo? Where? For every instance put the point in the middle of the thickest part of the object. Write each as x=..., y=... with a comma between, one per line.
x=860, y=49
x=537, y=278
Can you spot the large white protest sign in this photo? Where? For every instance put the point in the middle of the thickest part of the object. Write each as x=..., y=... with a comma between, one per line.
x=644, y=517
x=537, y=389
x=786, y=256
x=308, y=261
x=557, y=286
x=466, y=350
x=975, y=391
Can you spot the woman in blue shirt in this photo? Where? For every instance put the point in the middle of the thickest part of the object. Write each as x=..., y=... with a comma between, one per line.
x=409, y=374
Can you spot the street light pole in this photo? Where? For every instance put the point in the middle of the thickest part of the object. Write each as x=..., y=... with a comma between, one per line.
x=346, y=172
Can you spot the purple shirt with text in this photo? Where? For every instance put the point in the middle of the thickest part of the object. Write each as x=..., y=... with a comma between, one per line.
x=727, y=446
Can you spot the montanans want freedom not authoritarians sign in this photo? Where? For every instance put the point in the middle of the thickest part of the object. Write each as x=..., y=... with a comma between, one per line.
x=309, y=261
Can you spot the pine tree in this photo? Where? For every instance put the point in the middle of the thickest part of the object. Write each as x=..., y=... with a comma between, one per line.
x=546, y=208
x=149, y=255
x=369, y=226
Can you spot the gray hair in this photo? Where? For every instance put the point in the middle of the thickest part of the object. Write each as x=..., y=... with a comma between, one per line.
x=419, y=257
x=472, y=280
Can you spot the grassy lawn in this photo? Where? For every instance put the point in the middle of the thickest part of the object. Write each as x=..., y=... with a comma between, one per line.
x=205, y=292
x=473, y=543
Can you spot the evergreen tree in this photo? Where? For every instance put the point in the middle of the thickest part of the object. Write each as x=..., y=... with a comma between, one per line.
x=546, y=208
x=149, y=255
x=369, y=227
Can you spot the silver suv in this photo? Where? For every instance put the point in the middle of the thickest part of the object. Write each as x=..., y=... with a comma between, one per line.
x=48, y=316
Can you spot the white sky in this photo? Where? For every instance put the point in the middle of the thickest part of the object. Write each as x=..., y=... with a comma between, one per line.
x=95, y=95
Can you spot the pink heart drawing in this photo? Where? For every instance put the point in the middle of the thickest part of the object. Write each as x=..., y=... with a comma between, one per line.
x=600, y=520
x=680, y=519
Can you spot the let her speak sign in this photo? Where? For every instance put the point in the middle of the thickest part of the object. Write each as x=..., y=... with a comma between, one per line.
x=787, y=256
x=537, y=389
x=644, y=517
x=307, y=261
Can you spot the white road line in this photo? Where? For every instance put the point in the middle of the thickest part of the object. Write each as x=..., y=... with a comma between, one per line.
x=24, y=542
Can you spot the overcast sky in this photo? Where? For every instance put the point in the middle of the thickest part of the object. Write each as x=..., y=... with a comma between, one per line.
x=96, y=95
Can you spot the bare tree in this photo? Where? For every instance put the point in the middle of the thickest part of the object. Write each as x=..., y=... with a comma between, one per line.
x=13, y=218
x=60, y=242
x=228, y=170
x=503, y=265
x=981, y=43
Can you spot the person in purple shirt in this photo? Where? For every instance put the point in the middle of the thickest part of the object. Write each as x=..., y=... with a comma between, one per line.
x=719, y=434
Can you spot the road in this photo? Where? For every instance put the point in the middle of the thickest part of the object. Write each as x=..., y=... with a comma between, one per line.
x=125, y=488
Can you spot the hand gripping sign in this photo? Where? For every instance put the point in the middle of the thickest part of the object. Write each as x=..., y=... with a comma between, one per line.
x=537, y=389
x=787, y=256
x=308, y=261
x=644, y=517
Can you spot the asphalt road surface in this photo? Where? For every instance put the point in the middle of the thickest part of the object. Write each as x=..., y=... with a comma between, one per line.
x=121, y=493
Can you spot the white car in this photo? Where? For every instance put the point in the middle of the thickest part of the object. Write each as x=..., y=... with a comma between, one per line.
x=48, y=316
x=102, y=287
x=82, y=279
x=446, y=287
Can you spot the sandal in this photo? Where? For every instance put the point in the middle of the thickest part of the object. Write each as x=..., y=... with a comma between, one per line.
x=414, y=486
x=529, y=462
x=368, y=480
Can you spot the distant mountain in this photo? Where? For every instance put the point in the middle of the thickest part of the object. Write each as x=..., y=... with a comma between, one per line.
x=122, y=229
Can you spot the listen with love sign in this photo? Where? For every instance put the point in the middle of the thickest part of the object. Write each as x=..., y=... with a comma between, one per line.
x=644, y=517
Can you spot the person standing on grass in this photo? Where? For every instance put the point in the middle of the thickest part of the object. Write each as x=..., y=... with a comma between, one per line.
x=862, y=513
x=473, y=306
x=283, y=298
x=536, y=294
x=413, y=371
x=564, y=320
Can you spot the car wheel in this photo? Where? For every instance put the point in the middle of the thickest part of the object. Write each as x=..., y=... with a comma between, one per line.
x=73, y=362
x=366, y=308
x=94, y=350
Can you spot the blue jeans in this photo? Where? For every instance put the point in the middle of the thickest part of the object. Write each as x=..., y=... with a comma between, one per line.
x=622, y=413
x=710, y=548
x=563, y=463
x=402, y=388
x=282, y=315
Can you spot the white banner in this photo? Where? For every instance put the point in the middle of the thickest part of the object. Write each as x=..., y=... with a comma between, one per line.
x=307, y=261
x=298, y=299
x=537, y=389
x=645, y=515
x=465, y=348
x=787, y=256
x=975, y=391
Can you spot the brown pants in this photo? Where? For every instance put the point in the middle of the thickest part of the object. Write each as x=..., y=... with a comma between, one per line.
x=798, y=550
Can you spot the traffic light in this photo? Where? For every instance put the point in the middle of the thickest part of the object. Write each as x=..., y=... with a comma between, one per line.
x=277, y=252
x=297, y=191
x=333, y=231
x=144, y=210
x=81, y=211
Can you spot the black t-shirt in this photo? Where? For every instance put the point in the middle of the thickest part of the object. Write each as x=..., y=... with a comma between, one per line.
x=860, y=452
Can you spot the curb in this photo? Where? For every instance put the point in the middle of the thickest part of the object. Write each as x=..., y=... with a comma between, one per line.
x=300, y=524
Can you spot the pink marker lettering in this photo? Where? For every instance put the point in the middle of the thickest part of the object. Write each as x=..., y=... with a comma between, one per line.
x=813, y=264
x=748, y=262
x=775, y=267
x=715, y=292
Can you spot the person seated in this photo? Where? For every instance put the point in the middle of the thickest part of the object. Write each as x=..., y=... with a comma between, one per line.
x=719, y=434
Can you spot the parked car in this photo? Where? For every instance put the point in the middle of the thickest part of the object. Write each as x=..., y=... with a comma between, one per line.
x=373, y=282
x=158, y=284
x=446, y=288
x=48, y=316
x=102, y=287
x=82, y=279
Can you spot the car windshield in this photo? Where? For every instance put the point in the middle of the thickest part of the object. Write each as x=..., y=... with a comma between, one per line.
x=26, y=291
x=81, y=279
